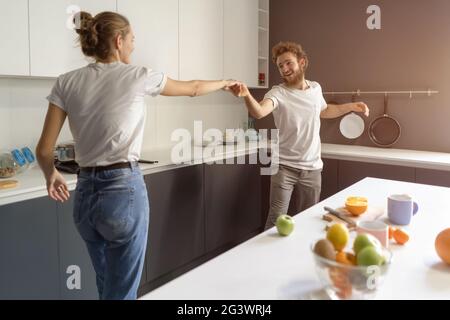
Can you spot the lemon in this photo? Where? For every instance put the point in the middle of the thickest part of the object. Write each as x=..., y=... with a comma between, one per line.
x=338, y=235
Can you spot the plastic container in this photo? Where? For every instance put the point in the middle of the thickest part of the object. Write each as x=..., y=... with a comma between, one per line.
x=8, y=166
x=16, y=161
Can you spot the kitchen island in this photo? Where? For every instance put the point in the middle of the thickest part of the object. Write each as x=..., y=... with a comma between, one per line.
x=272, y=267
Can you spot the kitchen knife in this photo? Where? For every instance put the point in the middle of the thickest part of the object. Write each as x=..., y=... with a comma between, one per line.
x=336, y=213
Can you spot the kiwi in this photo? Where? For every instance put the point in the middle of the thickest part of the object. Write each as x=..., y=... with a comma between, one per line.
x=325, y=249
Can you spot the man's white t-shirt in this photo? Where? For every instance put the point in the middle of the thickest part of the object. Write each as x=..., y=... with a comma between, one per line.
x=297, y=117
x=106, y=110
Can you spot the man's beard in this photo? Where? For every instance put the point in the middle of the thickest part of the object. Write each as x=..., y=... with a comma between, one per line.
x=298, y=76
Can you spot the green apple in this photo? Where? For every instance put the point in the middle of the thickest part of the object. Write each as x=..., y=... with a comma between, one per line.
x=370, y=256
x=285, y=224
x=363, y=240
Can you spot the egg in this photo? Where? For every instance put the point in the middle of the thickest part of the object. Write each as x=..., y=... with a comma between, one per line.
x=325, y=249
x=442, y=245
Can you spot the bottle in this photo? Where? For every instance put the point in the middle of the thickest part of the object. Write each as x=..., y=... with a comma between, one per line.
x=29, y=156
x=262, y=79
x=20, y=160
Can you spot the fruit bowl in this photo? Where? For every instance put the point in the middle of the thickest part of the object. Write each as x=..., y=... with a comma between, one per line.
x=350, y=282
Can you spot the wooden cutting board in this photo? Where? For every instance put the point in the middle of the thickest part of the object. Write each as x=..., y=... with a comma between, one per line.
x=7, y=184
x=372, y=213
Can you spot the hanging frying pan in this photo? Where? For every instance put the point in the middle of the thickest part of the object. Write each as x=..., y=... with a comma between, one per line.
x=384, y=131
x=352, y=125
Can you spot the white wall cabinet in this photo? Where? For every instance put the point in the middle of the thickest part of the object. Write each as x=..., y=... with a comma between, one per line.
x=186, y=39
x=241, y=41
x=263, y=43
x=201, y=39
x=53, y=46
x=14, y=53
x=155, y=26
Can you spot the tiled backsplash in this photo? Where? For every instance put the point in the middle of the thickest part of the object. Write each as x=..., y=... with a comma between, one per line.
x=23, y=106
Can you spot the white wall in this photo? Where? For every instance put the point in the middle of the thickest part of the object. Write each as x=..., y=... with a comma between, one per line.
x=22, y=112
x=23, y=106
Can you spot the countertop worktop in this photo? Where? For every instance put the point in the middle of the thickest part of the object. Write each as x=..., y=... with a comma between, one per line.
x=401, y=157
x=32, y=183
x=272, y=267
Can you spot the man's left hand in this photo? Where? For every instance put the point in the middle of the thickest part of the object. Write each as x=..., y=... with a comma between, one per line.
x=361, y=107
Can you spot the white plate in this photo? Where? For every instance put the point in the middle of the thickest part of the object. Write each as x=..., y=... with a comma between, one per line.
x=352, y=126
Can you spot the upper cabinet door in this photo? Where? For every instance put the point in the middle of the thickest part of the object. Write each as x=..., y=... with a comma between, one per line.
x=241, y=41
x=155, y=26
x=54, y=48
x=201, y=39
x=14, y=53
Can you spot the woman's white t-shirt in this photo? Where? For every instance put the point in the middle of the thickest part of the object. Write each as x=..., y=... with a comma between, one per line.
x=297, y=117
x=106, y=110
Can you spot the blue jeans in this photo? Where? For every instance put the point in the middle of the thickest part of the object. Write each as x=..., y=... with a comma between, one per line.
x=111, y=213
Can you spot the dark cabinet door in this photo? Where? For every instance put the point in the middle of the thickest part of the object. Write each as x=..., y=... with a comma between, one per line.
x=351, y=172
x=433, y=177
x=177, y=228
x=29, y=250
x=232, y=202
x=77, y=275
x=329, y=178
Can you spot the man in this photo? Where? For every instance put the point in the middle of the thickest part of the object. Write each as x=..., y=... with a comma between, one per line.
x=297, y=106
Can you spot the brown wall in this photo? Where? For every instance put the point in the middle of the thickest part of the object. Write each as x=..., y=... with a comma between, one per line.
x=411, y=51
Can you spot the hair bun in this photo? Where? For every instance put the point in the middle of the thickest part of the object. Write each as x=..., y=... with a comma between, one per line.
x=83, y=22
x=96, y=34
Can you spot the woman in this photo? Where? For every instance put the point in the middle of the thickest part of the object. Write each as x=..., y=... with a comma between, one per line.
x=104, y=103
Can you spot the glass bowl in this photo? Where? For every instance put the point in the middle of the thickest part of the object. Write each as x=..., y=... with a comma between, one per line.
x=349, y=282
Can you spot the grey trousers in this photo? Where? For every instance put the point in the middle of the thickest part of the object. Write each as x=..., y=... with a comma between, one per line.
x=305, y=183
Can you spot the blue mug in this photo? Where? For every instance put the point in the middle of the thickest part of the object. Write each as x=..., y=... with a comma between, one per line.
x=401, y=208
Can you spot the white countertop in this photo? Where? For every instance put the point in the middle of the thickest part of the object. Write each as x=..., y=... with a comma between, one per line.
x=401, y=157
x=272, y=267
x=32, y=183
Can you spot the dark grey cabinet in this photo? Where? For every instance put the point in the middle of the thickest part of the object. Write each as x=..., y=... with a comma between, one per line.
x=433, y=177
x=232, y=202
x=29, y=250
x=329, y=178
x=76, y=273
x=350, y=172
x=194, y=210
x=177, y=222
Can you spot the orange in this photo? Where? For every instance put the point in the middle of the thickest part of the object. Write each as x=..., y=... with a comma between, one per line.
x=400, y=236
x=442, y=245
x=346, y=258
x=356, y=205
x=341, y=282
x=391, y=232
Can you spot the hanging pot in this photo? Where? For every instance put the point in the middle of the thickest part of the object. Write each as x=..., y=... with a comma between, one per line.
x=385, y=131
